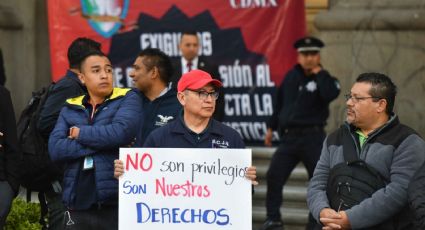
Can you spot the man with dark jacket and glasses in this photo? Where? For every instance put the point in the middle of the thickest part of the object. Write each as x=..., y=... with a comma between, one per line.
x=392, y=149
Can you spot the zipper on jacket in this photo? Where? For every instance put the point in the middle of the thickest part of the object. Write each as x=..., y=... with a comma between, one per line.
x=374, y=133
x=93, y=111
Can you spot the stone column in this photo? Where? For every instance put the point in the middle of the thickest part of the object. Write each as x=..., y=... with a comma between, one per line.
x=25, y=45
x=386, y=36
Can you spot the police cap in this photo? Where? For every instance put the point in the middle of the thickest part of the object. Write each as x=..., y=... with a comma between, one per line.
x=308, y=44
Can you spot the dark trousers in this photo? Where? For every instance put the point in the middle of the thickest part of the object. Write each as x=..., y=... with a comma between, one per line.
x=297, y=145
x=105, y=218
x=6, y=198
x=55, y=210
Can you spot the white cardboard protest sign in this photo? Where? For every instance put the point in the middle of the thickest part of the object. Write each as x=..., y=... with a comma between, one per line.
x=185, y=189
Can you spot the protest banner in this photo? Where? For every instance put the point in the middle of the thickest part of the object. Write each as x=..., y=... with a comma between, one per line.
x=186, y=189
x=249, y=42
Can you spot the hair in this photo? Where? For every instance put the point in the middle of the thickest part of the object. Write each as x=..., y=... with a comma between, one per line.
x=156, y=58
x=78, y=50
x=87, y=54
x=189, y=32
x=382, y=88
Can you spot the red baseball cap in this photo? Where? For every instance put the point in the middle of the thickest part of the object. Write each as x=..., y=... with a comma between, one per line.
x=196, y=79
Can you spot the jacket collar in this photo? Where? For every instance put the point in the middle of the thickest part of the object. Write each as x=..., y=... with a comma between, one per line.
x=168, y=92
x=116, y=93
x=181, y=128
x=393, y=121
x=70, y=73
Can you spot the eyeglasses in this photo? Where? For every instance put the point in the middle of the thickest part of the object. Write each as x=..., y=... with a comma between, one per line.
x=357, y=99
x=203, y=95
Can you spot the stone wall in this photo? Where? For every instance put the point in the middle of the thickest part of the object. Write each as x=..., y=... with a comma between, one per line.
x=312, y=8
x=377, y=36
x=24, y=42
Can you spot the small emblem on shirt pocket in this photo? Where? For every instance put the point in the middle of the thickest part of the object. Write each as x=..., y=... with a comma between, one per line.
x=219, y=144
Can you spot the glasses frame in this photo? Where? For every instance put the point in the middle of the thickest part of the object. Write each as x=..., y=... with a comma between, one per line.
x=203, y=95
x=358, y=99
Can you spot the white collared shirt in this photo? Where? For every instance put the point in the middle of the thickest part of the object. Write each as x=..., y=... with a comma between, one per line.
x=184, y=64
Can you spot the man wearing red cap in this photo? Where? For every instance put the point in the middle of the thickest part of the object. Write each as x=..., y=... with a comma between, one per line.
x=197, y=93
x=195, y=127
x=190, y=60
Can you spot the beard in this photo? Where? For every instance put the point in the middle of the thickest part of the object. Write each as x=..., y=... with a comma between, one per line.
x=351, y=116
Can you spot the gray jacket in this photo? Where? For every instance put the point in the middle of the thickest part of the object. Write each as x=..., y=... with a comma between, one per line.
x=395, y=151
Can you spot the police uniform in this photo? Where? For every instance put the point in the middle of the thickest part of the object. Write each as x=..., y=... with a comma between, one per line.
x=299, y=115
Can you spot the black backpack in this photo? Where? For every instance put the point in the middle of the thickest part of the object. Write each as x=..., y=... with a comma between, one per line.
x=353, y=181
x=38, y=171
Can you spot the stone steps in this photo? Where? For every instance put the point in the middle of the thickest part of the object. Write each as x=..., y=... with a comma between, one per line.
x=294, y=210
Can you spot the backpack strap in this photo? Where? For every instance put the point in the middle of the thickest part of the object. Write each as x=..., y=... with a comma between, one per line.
x=349, y=147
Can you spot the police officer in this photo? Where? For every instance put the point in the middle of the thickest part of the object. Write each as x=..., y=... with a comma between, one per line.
x=300, y=113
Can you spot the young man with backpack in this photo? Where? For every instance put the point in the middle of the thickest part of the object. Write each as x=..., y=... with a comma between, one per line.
x=67, y=87
x=381, y=145
x=86, y=139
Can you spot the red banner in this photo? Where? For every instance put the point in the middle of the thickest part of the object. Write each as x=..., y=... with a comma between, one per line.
x=249, y=40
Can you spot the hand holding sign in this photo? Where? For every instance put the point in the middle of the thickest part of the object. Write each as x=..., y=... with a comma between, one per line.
x=118, y=168
x=251, y=172
x=184, y=188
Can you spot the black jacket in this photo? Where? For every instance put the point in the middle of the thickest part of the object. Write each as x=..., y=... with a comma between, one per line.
x=203, y=65
x=157, y=113
x=2, y=72
x=9, y=152
x=68, y=87
x=303, y=100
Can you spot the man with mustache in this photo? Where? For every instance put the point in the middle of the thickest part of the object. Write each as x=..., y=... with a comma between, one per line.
x=299, y=115
x=392, y=149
